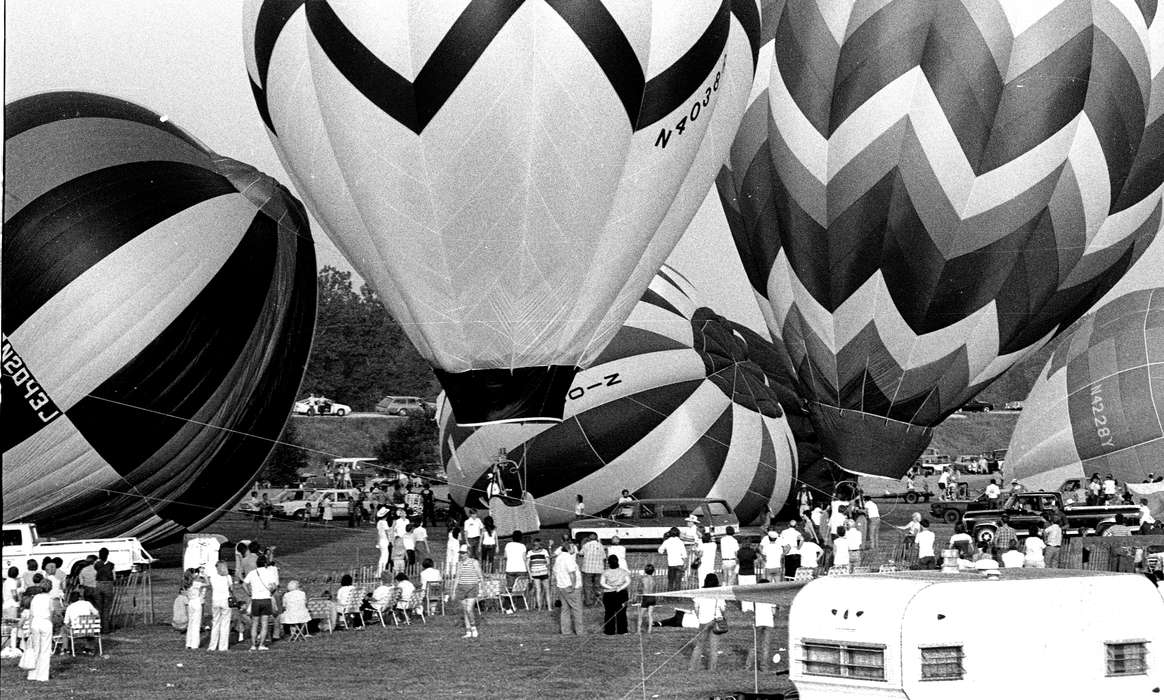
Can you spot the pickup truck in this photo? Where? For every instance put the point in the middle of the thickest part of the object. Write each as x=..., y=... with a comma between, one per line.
x=952, y=511
x=21, y=543
x=1032, y=507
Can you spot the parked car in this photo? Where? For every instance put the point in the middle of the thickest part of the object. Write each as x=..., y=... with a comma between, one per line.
x=975, y=406
x=1013, y=406
x=340, y=500
x=646, y=522
x=406, y=406
x=320, y=406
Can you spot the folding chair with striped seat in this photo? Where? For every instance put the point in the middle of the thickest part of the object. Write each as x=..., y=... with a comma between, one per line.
x=434, y=596
x=887, y=569
x=839, y=571
x=352, y=608
x=322, y=610
x=415, y=605
x=519, y=589
x=86, y=626
x=805, y=573
x=389, y=606
x=490, y=590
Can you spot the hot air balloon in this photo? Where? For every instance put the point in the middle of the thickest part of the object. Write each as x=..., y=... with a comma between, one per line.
x=158, y=305
x=1098, y=404
x=506, y=175
x=925, y=193
x=674, y=407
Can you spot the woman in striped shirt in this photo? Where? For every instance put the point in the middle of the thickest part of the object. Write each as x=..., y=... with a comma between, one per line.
x=466, y=581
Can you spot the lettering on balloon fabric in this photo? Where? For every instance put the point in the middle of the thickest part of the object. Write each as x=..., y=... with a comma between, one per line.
x=1099, y=417
x=25, y=384
x=578, y=392
x=694, y=111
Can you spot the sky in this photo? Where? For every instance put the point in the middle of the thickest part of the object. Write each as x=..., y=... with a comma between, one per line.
x=184, y=59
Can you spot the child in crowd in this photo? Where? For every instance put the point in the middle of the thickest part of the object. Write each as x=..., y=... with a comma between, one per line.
x=647, y=600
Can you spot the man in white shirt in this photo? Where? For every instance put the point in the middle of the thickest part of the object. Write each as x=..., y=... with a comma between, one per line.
x=1053, y=538
x=840, y=549
x=993, y=492
x=1034, y=557
x=773, y=552
x=728, y=548
x=810, y=554
x=790, y=540
x=925, y=545
x=837, y=519
x=676, y=558
x=1013, y=558
x=872, y=524
x=568, y=589
x=854, y=541
x=514, y=558
x=1109, y=488
x=472, y=531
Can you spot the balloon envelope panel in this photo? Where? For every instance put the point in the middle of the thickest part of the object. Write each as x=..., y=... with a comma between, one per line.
x=1098, y=405
x=675, y=406
x=507, y=175
x=158, y=304
x=925, y=193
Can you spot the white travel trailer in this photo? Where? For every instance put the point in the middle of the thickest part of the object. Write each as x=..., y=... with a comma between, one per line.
x=1029, y=633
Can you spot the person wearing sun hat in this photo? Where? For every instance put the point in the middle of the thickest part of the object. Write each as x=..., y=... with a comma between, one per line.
x=383, y=543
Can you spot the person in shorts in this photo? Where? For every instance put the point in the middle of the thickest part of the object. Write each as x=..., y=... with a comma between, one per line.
x=261, y=584
x=647, y=600
x=537, y=561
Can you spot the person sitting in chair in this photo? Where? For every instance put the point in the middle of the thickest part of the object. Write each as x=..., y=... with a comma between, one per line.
x=79, y=608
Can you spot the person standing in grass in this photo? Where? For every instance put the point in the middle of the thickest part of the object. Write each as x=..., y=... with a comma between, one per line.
x=568, y=589
x=488, y=544
x=515, y=558
x=593, y=563
x=452, y=547
x=219, y=608
x=195, y=584
x=261, y=586
x=466, y=584
x=382, y=542
x=537, y=561
x=706, y=612
x=615, y=582
x=676, y=557
x=647, y=600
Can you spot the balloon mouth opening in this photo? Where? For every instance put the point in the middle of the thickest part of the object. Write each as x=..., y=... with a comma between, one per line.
x=497, y=396
x=868, y=444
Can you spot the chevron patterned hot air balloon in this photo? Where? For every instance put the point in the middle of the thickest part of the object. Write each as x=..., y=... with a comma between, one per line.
x=507, y=174
x=674, y=407
x=923, y=193
x=158, y=304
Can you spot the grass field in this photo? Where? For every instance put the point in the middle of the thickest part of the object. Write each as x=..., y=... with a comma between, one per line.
x=517, y=656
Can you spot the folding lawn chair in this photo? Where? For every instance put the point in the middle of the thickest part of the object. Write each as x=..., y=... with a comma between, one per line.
x=434, y=596
x=838, y=571
x=804, y=573
x=389, y=605
x=86, y=627
x=352, y=608
x=322, y=610
x=297, y=630
x=415, y=605
x=490, y=590
x=520, y=587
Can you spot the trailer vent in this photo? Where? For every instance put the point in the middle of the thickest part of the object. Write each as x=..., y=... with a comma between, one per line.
x=941, y=663
x=843, y=659
x=1128, y=658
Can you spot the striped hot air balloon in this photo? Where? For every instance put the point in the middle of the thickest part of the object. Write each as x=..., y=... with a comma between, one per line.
x=507, y=175
x=158, y=305
x=673, y=407
x=1098, y=404
x=924, y=193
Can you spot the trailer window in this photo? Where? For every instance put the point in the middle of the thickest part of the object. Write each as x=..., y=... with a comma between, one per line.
x=1128, y=658
x=942, y=663
x=844, y=660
